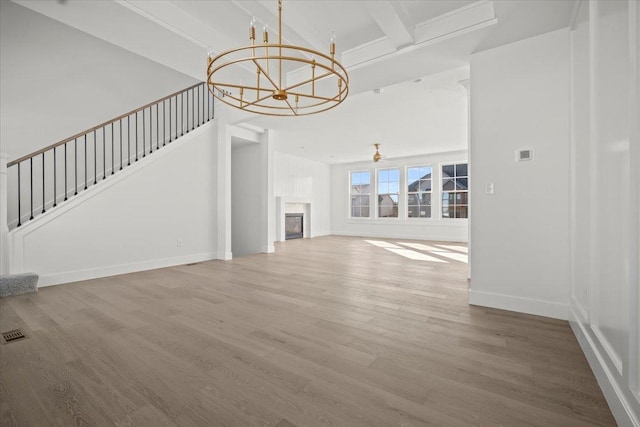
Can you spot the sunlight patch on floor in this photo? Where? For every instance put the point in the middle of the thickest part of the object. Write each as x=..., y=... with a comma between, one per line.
x=382, y=244
x=455, y=256
x=455, y=248
x=419, y=246
x=411, y=254
x=433, y=253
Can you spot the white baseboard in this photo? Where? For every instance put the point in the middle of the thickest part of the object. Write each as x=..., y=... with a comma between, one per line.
x=616, y=398
x=225, y=256
x=519, y=304
x=95, y=273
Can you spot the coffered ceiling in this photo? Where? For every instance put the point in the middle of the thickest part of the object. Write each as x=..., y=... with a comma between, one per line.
x=381, y=43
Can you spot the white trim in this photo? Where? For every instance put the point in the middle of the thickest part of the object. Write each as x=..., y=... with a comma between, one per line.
x=574, y=14
x=411, y=222
x=376, y=195
x=371, y=195
x=634, y=157
x=5, y=238
x=95, y=273
x=164, y=24
x=224, y=256
x=523, y=305
x=580, y=309
x=608, y=348
x=281, y=208
x=441, y=190
x=268, y=249
x=618, y=404
x=406, y=193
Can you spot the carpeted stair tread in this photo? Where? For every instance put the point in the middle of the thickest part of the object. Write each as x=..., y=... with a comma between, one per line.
x=16, y=284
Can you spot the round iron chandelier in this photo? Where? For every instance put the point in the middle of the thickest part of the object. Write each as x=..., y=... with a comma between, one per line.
x=286, y=80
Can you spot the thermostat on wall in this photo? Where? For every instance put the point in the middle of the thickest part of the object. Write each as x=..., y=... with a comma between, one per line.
x=524, y=154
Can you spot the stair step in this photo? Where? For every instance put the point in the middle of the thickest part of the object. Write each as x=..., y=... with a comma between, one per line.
x=16, y=284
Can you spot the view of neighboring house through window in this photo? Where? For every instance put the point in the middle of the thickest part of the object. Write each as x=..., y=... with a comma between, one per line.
x=360, y=191
x=455, y=191
x=388, y=190
x=419, y=192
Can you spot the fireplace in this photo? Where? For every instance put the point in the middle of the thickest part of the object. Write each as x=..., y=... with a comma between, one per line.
x=293, y=226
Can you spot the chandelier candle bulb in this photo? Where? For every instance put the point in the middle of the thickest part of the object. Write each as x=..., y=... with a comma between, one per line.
x=252, y=29
x=332, y=43
x=265, y=34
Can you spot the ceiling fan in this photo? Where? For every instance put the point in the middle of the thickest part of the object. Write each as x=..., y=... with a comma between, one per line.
x=377, y=156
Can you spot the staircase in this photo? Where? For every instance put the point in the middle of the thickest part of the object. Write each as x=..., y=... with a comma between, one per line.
x=42, y=181
x=50, y=176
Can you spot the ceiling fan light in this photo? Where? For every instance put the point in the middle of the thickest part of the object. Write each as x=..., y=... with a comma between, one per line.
x=377, y=156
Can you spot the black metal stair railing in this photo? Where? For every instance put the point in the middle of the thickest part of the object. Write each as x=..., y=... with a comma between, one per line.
x=83, y=160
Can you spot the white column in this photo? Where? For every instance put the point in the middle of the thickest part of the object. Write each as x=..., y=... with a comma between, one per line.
x=634, y=144
x=466, y=84
x=268, y=198
x=4, y=228
x=223, y=185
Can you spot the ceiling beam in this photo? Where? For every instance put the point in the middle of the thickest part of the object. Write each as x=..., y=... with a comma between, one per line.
x=457, y=22
x=389, y=21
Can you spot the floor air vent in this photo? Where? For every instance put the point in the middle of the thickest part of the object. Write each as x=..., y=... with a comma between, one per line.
x=14, y=335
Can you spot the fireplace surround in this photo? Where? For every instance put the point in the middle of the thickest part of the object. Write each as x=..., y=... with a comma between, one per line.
x=290, y=204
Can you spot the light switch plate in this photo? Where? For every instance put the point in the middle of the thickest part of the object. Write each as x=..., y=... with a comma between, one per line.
x=490, y=189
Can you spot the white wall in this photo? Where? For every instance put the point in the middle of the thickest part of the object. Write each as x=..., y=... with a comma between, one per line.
x=301, y=180
x=56, y=81
x=428, y=116
x=434, y=228
x=159, y=212
x=605, y=211
x=520, y=234
x=247, y=212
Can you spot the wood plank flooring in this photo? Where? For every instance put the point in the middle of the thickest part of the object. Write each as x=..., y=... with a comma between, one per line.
x=331, y=331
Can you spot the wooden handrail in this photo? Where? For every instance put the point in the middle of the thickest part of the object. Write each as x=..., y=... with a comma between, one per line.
x=78, y=135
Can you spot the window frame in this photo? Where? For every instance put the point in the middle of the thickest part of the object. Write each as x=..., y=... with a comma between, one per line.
x=431, y=217
x=377, y=194
x=441, y=190
x=350, y=194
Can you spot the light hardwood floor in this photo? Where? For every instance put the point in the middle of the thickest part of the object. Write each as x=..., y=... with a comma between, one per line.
x=329, y=331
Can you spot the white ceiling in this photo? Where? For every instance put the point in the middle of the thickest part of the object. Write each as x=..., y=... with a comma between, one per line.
x=382, y=43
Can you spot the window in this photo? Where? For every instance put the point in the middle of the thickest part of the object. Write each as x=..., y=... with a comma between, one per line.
x=455, y=191
x=388, y=189
x=419, y=192
x=360, y=191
